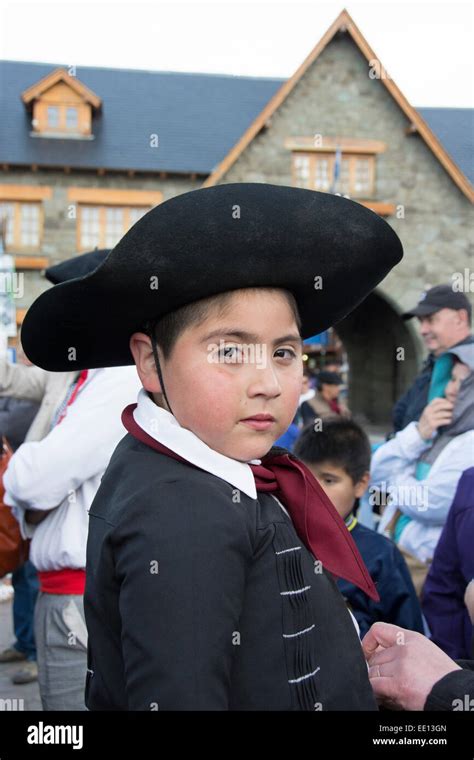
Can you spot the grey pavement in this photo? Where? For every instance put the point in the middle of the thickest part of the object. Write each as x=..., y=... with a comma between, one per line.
x=29, y=692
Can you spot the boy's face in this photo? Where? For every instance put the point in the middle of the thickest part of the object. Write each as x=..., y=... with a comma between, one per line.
x=215, y=378
x=338, y=485
x=330, y=391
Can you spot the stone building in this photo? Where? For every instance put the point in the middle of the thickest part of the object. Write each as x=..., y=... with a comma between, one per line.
x=85, y=152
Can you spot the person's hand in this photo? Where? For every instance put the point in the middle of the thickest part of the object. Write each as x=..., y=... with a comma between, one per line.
x=403, y=666
x=469, y=600
x=437, y=413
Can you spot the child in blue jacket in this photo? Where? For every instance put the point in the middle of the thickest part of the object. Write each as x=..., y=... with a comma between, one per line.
x=339, y=457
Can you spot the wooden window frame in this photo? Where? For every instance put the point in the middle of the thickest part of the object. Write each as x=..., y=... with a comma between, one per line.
x=17, y=246
x=103, y=197
x=18, y=194
x=314, y=156
x=40, y=118
x=103, y=222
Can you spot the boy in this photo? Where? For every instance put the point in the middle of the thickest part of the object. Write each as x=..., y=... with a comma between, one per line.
x=209, y=579
x=339, y=457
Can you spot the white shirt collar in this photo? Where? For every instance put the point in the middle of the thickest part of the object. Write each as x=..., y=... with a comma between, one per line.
x=165, y=428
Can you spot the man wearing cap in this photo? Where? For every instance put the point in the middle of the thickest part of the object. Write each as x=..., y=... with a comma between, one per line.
x=445, y=322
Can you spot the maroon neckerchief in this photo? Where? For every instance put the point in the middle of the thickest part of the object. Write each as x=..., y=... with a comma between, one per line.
x=314, y=516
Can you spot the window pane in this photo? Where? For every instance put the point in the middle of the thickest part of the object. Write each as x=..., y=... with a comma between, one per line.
x=362, y=175
x=90, y=227
x=7, y=212
x=53, y=116
x=114, y=223
x=71, y=118
x=344, y=182
x=301, y=164
x=136, y=213
x=29, y=224
x=322, y=180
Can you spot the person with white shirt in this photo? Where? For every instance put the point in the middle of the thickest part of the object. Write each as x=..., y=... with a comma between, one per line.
x=419, y=469
x=50, y=485
x=27, y=383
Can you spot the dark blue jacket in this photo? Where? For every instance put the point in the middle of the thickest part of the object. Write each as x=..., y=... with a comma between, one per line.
x=410, y=406
x=450, y=572
x=398, y=600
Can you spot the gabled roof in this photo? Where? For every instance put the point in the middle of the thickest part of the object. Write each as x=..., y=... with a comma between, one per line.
x=60, y=75
x=345, y=23
x=197, y=117
x=454, y=128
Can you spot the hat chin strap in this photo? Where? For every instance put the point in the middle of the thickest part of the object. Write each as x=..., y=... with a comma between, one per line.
x=158, y=368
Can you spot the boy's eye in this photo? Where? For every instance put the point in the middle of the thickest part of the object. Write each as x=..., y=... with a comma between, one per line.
x=289, y=350
x=228, y=352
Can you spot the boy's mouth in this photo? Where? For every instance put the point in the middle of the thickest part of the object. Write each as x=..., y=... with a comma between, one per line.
x=259, y=421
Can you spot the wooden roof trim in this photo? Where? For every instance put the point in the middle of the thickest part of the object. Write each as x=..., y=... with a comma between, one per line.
x=343, y=22
x=305, y=144
x=58, y=75
x=31, y=262
x=272, y=105
x=25, y=192
x=104, y=196
x=20, y=315
x=414, y=118
x=382, y=208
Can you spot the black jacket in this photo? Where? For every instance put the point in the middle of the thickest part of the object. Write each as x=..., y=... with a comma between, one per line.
x=199, y=597
x=454, y=691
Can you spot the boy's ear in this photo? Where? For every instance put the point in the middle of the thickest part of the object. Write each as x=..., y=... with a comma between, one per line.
x=140, y=346
x=361, y=485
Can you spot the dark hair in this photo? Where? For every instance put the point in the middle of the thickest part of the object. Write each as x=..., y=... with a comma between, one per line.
x=342, y=442
x=328, y=378
x=168, y=329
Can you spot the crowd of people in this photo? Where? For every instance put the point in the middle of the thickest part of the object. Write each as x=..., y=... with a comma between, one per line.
x=67, y=431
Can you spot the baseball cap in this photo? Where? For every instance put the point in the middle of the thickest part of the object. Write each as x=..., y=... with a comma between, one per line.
x=439, y=297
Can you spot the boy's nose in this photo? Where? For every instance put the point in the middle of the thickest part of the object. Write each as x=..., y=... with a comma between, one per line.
x=265, y=381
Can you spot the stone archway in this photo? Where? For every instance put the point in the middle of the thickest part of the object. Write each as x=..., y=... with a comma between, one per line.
x=372, y=336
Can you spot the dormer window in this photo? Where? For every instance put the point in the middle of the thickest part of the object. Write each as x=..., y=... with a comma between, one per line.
x=62, y=118
x=61, y=106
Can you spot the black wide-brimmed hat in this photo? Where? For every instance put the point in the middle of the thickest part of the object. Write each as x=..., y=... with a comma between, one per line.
x=76, y=266
x=330, y=252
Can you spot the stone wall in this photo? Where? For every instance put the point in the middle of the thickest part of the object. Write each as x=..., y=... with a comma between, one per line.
x=337, y=97
x=59, y=231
